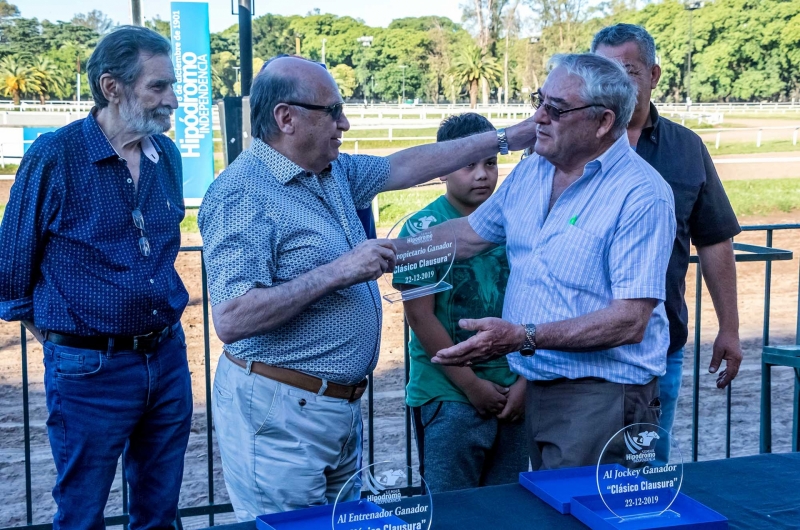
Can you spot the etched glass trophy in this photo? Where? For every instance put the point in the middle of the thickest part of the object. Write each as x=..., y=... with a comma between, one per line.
x=425, y=255
x=633, y=483
x=390, y=500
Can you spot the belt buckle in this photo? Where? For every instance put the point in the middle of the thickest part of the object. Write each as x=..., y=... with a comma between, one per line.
x=147, y=337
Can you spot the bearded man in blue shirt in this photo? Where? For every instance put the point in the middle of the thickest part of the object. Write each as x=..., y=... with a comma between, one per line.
x=89, y=241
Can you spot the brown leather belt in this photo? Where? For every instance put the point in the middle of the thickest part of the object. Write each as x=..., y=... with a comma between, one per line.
x=301, y=380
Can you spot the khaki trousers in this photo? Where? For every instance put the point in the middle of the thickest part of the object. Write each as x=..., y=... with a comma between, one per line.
x=569, y=421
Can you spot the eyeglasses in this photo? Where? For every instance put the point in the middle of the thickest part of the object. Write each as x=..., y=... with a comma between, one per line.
x=334, y=110
x=554, y=113
x=144, y=243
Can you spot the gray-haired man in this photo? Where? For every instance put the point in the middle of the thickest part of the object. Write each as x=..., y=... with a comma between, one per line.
x=89, y=241
x=702, y=210
x=291, y=280
x=588, y=226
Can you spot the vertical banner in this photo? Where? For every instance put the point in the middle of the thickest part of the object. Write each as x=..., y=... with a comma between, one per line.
x=191, y=56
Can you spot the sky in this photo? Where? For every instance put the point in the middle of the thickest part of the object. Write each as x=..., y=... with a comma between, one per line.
x=373, y=12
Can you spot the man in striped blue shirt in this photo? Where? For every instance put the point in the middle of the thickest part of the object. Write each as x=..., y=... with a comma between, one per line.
x=588, y=227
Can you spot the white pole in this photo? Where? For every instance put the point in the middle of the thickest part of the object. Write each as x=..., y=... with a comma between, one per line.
x=717, y=144
x=794, y=136
x=78, y=82
x=758, y=138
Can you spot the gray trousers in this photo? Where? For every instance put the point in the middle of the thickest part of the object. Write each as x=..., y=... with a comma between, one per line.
x=460, y=449
x=569, y=421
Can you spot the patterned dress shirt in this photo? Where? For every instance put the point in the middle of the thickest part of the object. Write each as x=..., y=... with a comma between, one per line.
x=608, y=236
x=265, y=221
x=70, y=250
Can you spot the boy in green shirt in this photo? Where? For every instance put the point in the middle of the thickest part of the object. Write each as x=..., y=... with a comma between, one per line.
x=468, y=420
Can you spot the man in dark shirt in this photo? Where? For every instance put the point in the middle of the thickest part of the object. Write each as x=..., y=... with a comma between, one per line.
x=702, y=209
x=89, y=241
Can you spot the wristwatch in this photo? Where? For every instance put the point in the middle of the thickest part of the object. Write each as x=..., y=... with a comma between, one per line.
x=529, y=346
x=502, y=141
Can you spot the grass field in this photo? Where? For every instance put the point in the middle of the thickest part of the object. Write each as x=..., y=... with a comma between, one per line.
x=748, y=148
x=759, y=197
x=10, y=169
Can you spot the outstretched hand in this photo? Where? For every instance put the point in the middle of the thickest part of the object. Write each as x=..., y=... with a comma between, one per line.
x=495, y=337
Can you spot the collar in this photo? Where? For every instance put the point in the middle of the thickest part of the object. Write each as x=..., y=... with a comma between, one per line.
x=102, y=148
x=281, y=167
x=150, y=149
x=611, y=155
x=652, y=131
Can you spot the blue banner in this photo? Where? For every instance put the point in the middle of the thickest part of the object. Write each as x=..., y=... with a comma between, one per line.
x=191, y=56
x=29, y=134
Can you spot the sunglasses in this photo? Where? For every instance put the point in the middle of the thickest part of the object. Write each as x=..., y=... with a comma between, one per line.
x=336, y=110
x=144, y=243
x=554, y=113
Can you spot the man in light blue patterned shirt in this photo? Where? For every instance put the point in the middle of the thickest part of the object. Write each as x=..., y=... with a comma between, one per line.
x=588, y=227
x=291, y=278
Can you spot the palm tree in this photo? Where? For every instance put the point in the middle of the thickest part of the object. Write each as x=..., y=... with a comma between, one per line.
x=16, y=78
x=48, y=79
x=471, y=66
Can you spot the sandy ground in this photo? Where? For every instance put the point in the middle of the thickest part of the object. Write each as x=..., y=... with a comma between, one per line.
x=389, y=412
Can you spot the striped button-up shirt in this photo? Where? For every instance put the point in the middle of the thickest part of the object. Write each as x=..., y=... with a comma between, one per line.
x=608, y=236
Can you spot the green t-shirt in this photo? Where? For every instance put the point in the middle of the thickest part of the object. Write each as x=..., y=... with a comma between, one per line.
x=479, y=285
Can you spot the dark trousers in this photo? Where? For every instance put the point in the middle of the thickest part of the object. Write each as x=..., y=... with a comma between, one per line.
x=101, y=402
x=569, y=421
x=459, y=449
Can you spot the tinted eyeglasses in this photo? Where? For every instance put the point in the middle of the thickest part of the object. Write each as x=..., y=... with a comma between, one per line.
x=334, y=110
x=554, y=113
x=144, y=243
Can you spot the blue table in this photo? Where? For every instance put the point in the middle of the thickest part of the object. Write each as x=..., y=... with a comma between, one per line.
x=753, y=492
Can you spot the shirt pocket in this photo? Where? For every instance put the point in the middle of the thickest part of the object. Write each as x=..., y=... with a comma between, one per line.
x=575, y=259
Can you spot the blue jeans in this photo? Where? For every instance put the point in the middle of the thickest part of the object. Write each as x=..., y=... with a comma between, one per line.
x=670, y=385
x=101, y=402
x=460, y=449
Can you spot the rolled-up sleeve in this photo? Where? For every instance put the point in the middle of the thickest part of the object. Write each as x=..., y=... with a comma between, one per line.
x=239, y=243
x=640, y=251
x=367, y=176
x=32, y=205
x=489, y=220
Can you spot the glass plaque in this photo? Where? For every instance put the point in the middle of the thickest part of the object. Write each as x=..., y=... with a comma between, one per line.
x=384, y=499
x=424, y=257
x=632, y=481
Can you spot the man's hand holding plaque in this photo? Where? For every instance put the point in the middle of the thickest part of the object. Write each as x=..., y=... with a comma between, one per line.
x=424, y=257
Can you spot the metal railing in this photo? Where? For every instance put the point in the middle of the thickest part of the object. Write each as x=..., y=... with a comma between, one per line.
x=746, y=253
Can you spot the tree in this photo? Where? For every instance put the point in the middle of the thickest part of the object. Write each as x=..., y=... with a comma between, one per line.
x=345, y=77
x=47, y=79
x=223, y=75
x=95, y=20
x=8, y=10
x=17, y=78
x=472, y=67
x=160, y=26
